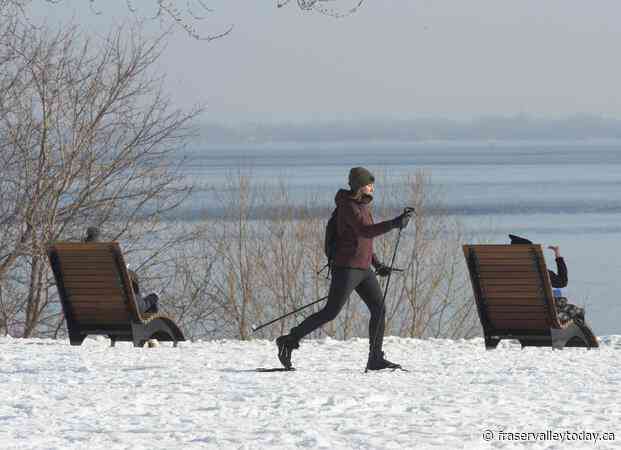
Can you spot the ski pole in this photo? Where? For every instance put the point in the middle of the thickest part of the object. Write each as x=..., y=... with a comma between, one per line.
x=257, y=328
x=393, y=269
x=392, y=263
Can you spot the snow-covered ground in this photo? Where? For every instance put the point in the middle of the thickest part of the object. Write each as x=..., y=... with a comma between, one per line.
x=207, y=395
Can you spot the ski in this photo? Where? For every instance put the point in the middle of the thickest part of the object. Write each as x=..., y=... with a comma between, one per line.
x=391, y=369
x=275, y=369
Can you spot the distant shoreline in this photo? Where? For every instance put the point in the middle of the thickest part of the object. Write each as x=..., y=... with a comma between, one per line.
x=521, y=128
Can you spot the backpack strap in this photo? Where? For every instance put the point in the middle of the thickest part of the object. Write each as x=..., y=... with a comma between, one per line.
x=330, y=251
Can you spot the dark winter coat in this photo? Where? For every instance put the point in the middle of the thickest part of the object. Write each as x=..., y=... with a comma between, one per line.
x=356, y=230
x=560, y=280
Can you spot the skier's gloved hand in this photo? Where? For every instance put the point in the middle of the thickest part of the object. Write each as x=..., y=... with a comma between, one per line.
x=402, y=220
x=382, y=270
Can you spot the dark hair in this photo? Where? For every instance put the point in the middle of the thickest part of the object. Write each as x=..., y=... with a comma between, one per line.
x=361, y=197
x=92, y=234
x=357, y=195
x=519, y=240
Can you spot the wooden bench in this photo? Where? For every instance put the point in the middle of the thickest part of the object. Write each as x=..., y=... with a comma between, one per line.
x=97, y=297
x=514, y=298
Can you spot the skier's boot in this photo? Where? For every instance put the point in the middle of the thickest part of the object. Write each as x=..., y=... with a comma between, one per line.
x=286, y=344
x=378, y=362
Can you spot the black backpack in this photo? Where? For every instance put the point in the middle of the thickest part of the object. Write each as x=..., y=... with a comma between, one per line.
x=330, y=239
x=329, y=245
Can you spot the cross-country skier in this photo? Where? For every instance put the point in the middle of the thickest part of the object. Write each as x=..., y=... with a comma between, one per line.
x=352, y=269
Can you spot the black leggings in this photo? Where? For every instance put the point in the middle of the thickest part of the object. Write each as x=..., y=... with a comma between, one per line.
x=344, y=282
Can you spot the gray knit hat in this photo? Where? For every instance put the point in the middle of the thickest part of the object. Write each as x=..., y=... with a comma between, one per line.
x=358, y=177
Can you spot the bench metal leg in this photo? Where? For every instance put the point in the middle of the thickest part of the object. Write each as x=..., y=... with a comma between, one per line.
x=76, y=338
x=491, y=343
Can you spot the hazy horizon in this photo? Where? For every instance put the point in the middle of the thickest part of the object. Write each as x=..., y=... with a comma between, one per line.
x=509, y=128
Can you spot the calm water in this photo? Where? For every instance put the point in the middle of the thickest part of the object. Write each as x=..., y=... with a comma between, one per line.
x=567, y=194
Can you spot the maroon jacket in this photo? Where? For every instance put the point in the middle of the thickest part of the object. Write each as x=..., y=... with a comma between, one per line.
x=356, y=230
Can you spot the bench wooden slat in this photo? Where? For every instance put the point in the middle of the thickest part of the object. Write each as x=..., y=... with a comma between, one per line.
x=524, y=324
x=112, y=291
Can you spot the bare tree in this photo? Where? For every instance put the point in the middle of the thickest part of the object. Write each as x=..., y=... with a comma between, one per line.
x=234, y=245
x=432, y=297
x=87, y=136
x=188, y=14
x=326, y=7
x=187, y=285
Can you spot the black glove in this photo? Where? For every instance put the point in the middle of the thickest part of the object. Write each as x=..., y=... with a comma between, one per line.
x=382, y=270
x=402, y=220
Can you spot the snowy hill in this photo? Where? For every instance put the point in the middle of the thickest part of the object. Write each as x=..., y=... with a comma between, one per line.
x=207, y=395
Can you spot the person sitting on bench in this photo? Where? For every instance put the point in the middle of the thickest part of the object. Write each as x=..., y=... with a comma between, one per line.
x=148, y=304
x=566, y=311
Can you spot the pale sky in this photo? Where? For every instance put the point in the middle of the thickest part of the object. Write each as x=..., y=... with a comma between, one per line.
x=433, y=58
